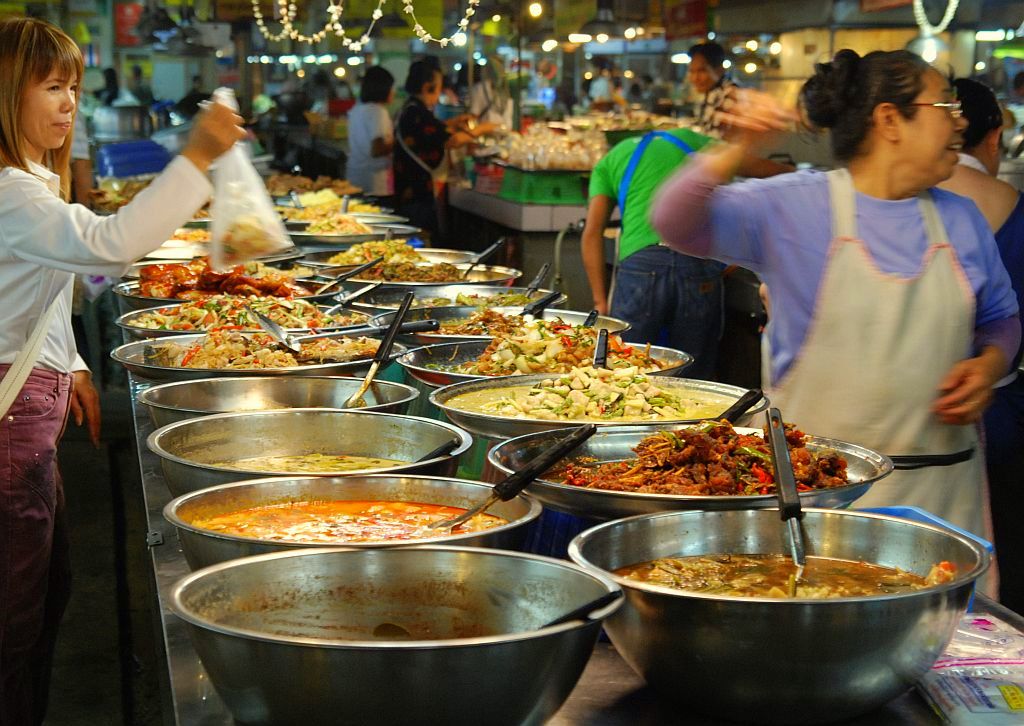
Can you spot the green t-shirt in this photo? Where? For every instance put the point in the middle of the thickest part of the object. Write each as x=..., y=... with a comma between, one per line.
x=660, y=160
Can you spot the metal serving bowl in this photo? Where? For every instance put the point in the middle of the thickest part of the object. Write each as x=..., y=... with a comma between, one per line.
x=615, y=443
x=289, y=636
x=137, y=357
x=463, y=312
x=203, y=547
x=377, y=232
x=387, y=299
x=134, y=332
x=172, y=402
x=493, y=426
x=489, y=275
x=188, y=449
x=431, y=254
x=416, y=361
x=129, y=299
x=802, y=660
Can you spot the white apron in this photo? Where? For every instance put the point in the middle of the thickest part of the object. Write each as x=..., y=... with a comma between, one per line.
x=869, y=369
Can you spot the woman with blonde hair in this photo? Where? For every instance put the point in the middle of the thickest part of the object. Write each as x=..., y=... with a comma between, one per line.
x=44, y=242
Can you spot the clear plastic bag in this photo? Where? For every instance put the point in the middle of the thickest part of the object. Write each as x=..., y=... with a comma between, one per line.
x=245, y=225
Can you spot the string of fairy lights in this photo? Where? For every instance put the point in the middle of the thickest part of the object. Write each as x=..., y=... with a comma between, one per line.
x=287, y=11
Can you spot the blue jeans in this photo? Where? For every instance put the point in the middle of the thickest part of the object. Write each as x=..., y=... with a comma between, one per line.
x=674, y=300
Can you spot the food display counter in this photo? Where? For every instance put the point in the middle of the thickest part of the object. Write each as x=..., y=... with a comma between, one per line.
x=609, y=692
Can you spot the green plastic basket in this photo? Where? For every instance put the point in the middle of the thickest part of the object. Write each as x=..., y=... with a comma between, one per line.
x=544, y=187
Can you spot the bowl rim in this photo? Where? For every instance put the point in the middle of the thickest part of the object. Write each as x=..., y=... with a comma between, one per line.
x=170, y=512
x=154, y=445
x=411, y=394
x=125, y=320
x=176, y=606
x=961, y=580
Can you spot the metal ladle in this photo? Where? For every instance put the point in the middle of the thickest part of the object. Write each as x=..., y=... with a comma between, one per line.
x=483, y=256
x=356, y=400
x=789, y=500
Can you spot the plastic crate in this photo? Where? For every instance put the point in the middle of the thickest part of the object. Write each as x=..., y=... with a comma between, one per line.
x=131, y=158
x=488, y=178
x=544, y=187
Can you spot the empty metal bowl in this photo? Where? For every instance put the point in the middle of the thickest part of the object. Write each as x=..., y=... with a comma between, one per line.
x=180, y=401
x=203, y=547
x=289, y=637
x=769, y=660
x=190, y=451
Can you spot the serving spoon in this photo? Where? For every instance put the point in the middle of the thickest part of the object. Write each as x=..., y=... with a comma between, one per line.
x=537, y=307
x=743, y=404
x=591, y=318
x=538, y=280
x=484, y=255
x=356, y=400
x=601, y=349
x=516, y=482
x=789, y=501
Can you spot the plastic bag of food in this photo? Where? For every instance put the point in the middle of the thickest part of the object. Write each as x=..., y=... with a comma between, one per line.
x=245, y=224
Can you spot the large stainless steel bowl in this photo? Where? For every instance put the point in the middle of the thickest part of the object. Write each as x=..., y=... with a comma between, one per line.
x=288, y=637
x=765, y=660
x=138, y=358
x=431, y=254
x=133, y=331
x=505, y=427
x=189, y=450
x=385, y=299
x=615, y=443
x=129, y=299
x=183, y=400
x=416, y=362
x=203, y=547
x=449, y=313
x=480, y=275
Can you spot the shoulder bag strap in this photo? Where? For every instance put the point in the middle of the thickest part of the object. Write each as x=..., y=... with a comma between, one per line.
x=634, y=161
x=20, y=369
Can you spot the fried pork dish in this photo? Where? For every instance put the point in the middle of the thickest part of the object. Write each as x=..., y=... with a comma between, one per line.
x=195, y=280
x=708, y=460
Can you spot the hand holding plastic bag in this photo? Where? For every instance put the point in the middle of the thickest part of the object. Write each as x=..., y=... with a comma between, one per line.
x=245, y=224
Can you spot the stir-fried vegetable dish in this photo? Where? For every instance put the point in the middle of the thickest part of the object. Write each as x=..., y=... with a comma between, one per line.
x=392, y=250
x=485, y=322
x=712, y=459
x=340, y=224
x=229, y=312
x=342, y=521
x=412, y=272
x=232, y=350
x=772, y=576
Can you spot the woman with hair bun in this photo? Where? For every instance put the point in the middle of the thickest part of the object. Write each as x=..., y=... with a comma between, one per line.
x=892, y=315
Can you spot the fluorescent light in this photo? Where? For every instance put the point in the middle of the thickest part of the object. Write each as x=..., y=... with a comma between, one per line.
x=353, y=60
x=629, y=33
x=339, y=71
x=579, y=38
x=601, y=37
x=288, y=59
x=681, y=58
x=775, y=48
x=990, y=36
x=457, y=66
x=750, y=67
x=309, y=59
x=325, y=58
x=711, y=35
x=751, y=45
x=549, y=45
x=727, y=63
x=496, y=18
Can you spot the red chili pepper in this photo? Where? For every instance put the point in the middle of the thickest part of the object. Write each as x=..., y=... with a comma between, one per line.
x=189, y=356
x=566, y=341
x=762, y=476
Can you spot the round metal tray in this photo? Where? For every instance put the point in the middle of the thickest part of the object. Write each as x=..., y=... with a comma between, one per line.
x=432, y=254
x=135, y=357
x=462, y=312
x=480, y=275
x=615, y=443
x=129, y=299
x=378, y=232
x=389, y=298
x=133, y=332
x=415, y=362
x=506, y=427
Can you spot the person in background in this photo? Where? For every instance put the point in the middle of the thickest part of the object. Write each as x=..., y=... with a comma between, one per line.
x=421, y=145
x=111, y=89
x=320, y=90
x=489, y=98
x=892, y=314
x=707, y=76
x=139, y=88
x=1003, y=207
x=188, y=106
x=371, y=137
x=81, y=162
x=44, y=242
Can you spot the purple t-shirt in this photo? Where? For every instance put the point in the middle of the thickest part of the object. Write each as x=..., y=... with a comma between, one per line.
x=781, y=228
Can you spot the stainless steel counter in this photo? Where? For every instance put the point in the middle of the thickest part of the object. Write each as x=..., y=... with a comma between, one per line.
x=608, y=694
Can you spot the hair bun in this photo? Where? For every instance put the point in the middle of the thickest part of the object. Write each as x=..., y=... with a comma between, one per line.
x=832, y=89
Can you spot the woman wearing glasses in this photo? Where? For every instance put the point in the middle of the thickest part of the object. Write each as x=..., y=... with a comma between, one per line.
x=892, y=315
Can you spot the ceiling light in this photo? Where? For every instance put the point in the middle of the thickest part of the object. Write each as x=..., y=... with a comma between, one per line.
x=640, y=30
x=601, y=37
x=579, y=38
x=980, y=66
x=990, y=36
x=496, y=18
x=751, y=45
x=353, y=60
x=628, y=74
x=727, y=63
x=775, y=48
x=603, y=22
x=549, y=45
x=681, y=58
x=711, y=35
x=750, y=67
x=536, y=10
x=630, y=33
x=339, y=72
x=300, y=73
x=588, y=75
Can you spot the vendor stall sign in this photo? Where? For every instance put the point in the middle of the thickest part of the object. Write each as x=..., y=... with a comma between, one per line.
x=126, y=18
x=685, y=18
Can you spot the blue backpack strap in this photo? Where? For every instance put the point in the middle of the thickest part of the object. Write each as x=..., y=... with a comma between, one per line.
x=634, y=161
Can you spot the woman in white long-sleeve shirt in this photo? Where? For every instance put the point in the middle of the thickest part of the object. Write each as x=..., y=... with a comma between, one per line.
x=44, y=241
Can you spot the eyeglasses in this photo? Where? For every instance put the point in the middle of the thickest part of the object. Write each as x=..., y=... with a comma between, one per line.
x=955, y=108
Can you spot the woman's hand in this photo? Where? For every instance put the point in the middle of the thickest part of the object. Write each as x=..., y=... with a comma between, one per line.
x=967, y=388
x=216, y=130
x=85, y=404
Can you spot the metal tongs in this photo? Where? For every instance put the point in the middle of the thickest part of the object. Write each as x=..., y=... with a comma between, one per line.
x=347, y=274
x=538, y=280
x=785, y=488
x=601, y=349
x=515, y=483
x=347, y=300
x=294, y=342
x=483, y=256
x=591, y=318
x=537, y=307
x=743, y=404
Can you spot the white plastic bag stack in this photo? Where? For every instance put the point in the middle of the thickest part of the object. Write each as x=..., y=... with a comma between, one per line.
x=245, y=225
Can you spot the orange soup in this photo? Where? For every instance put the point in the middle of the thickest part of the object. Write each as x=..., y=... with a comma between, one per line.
x=342, y=521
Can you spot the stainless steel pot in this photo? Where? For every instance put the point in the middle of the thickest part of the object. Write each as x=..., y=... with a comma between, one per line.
x=288, y=637
x=490, y=275
x=763, y=660
x=203, y=547
x=386, y=299
x=189, y=450
x=616, y=443
x=505, y=427
x=129, y=299
x=183, y=400
x=134, y=332
x=432, y=254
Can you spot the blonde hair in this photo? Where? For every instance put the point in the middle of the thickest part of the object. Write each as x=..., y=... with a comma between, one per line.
x=30, y=50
